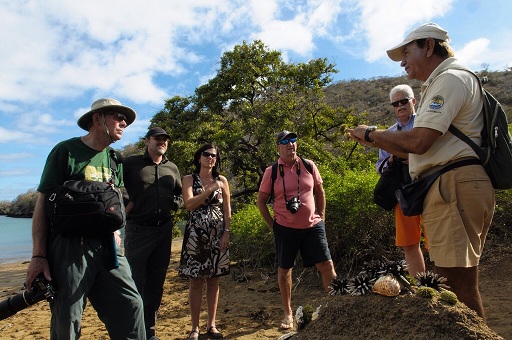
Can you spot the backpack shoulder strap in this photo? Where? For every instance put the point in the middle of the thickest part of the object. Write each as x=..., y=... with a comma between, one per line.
x=481, y=153
x=307, y=165
x=273, y=178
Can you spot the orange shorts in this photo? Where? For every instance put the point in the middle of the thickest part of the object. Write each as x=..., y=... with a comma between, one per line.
x=408, y=228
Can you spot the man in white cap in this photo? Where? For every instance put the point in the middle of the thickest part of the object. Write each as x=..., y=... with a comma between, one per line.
x=86, y=267
x=459, y=206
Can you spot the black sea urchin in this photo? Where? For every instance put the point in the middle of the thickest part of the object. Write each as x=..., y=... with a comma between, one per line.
x=361, y=284
x=339, y=286
x=432, y=280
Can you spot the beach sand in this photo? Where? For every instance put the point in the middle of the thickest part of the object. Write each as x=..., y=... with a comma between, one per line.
x=251, y=309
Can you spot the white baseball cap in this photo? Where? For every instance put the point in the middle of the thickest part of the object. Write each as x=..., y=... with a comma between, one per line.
x=428, y=30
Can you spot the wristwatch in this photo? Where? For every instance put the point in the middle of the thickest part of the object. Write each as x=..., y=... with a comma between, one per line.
x=367, y=133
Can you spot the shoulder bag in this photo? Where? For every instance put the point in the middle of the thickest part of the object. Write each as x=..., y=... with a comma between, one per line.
x=87, y=208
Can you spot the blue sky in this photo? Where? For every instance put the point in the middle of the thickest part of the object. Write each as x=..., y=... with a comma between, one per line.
x=57, y=57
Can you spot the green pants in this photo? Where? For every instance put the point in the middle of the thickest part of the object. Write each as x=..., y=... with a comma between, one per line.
x=81, y=270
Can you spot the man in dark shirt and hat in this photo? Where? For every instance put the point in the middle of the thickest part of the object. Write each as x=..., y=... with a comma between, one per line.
x=154, y=188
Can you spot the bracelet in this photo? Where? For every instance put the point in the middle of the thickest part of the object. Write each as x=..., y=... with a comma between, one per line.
x=39, y=257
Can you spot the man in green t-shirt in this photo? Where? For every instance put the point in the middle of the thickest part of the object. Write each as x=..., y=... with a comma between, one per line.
x=86, y=267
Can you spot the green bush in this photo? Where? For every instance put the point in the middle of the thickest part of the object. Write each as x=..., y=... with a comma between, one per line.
x=252, y=243
x=358, y=230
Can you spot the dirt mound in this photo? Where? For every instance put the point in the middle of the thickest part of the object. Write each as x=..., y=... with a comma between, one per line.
x=403, y=317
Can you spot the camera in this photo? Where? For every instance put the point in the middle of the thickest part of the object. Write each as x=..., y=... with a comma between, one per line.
x=293, y=205
x=41, y=289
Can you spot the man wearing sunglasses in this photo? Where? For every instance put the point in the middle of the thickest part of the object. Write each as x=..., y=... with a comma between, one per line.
x=86, y=267
x=299, y=211
x=408, y=231
x=459, y=205
x=154, y=188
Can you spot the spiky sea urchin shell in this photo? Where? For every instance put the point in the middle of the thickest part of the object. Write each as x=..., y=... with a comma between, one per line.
x=373, y=269
x=426, y=292
x=361, y=284
x=449, y=297
x=339, y=286
x=395, y=268
x=387, y=286
x=429, y=279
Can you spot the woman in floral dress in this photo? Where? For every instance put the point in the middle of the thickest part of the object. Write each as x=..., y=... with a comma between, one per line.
x=205, y=254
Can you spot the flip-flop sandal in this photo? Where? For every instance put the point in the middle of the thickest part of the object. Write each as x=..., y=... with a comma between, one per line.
x=194, y=335
x=287, y=323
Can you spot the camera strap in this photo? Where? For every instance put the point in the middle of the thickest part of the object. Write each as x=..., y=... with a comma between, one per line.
x=281, y=172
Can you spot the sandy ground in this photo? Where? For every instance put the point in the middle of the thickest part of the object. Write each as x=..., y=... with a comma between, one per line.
x=251, y=309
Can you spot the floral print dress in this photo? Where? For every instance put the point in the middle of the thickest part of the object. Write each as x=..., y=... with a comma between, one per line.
x=201, y=256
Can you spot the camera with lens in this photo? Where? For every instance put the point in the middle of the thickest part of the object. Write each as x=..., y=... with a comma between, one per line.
x=293, y=205
x=41, y=289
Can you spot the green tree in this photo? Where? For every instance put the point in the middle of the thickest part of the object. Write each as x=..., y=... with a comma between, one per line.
x=253, y=96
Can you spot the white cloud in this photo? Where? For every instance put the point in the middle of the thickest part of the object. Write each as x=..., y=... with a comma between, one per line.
x=385, y=23
x=9, y=136
x=474, y=53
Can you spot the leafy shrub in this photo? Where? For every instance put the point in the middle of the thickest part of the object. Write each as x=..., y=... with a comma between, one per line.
x=358, y=231
x=252, y=243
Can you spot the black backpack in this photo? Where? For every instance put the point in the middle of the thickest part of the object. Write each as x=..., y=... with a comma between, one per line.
x=87, y=208
x=275, y=166
x=496, y=150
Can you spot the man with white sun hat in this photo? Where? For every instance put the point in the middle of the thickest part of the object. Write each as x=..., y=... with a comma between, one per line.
x=459, y=205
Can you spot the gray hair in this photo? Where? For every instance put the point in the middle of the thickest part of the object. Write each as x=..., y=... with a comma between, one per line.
x=401, y=88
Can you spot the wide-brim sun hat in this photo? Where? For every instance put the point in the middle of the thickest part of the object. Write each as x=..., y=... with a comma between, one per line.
x=106, y=104
x=283, y=134
x=428, y=30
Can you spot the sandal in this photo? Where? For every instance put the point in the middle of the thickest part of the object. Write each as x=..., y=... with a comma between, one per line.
x=194, y=335
x=214, y=335
x=287, y=323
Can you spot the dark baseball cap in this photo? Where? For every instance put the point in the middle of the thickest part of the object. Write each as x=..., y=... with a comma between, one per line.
x=157, y=131
x=284, y=134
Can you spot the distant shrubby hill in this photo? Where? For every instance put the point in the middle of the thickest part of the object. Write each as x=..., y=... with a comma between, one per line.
x=372, y=95
x=368, y=97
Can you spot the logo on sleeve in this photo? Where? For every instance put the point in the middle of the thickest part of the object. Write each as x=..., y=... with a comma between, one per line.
x=436, y=103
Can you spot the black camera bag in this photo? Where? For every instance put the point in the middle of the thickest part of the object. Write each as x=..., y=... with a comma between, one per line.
x=87, y=208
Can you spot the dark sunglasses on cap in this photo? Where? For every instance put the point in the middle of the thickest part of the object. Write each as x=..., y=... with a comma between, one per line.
x=401, y=102
x=288, y=140
x=207, y=154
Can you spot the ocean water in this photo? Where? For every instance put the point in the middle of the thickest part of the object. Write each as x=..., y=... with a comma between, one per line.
x=15, y=239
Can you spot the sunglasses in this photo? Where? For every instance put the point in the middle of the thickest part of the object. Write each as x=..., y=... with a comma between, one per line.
x=401, y=102
x=207, y=154
x=288, y=140
x=118, y=116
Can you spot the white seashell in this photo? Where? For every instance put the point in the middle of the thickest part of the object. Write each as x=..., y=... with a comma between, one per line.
x=387, y=286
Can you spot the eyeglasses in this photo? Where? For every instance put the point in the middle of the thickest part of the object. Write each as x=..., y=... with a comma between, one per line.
x=401, y=102
x=207, y=154
x=288, y=140
x=118, y=116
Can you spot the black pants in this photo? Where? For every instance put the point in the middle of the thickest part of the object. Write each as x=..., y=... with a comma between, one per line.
x=148, y=250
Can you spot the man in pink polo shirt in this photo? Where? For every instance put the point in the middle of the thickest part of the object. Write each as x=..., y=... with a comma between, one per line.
x=299, y=210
